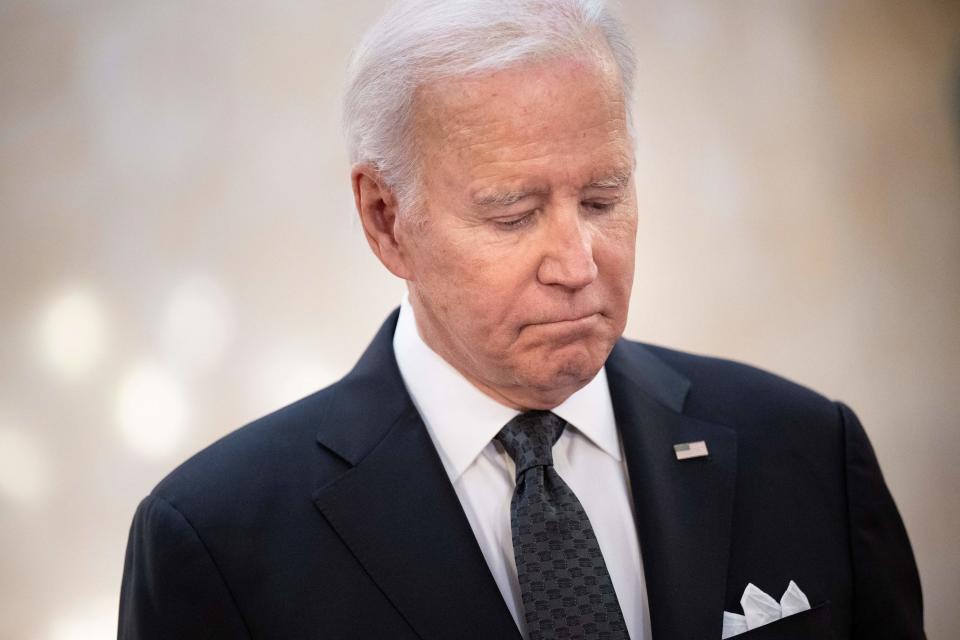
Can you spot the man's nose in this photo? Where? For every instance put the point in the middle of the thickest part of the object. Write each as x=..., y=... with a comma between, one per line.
x=568, y=254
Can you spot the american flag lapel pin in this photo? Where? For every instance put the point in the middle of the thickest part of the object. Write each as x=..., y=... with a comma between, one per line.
x=687, y=450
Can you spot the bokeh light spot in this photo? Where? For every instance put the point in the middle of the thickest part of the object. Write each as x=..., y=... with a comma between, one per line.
x=198, y=325
x=95, y=620
x=151, y=411
x=72, y=333
x=24, y=468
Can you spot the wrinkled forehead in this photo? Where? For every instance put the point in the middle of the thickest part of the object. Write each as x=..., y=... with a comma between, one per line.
x=571, y=109
x=451, y=104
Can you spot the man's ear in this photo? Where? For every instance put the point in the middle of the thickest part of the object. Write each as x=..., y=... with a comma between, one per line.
x=377, y=205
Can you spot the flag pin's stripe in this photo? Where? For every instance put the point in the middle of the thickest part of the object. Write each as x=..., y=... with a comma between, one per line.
x=686, y=450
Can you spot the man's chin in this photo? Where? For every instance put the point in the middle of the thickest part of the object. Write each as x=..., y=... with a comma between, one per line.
x=549, y=386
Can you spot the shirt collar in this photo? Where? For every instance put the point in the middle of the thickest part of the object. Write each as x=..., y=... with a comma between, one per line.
x=590, y=410
x=462, y=420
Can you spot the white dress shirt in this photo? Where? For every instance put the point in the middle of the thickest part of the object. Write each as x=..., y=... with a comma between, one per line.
x=462, y=422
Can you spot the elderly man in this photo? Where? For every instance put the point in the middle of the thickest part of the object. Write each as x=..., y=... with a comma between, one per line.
x=501, y=463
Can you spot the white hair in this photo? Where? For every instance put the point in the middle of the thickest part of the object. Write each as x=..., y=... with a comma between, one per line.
x=419, y=41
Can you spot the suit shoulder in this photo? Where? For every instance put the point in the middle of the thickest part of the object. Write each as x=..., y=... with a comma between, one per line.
x=256, y=460
x=735, y=393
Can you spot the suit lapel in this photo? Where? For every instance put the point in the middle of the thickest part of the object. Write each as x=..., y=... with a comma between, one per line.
x=683, y=508
x=397, y=511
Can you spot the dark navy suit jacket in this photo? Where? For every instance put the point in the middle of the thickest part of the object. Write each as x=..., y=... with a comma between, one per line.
x=334, y=518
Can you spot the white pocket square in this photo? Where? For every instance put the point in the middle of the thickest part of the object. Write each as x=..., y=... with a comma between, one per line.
x=760, y=609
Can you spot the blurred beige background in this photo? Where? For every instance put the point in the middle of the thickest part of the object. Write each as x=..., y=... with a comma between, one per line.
x=178, y=253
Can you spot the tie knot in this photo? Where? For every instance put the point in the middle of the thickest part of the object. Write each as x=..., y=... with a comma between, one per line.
x=529, y=438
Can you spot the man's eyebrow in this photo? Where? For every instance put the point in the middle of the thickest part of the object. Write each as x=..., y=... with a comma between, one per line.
x=505, y=198
x=489, y=199
x=617, y=180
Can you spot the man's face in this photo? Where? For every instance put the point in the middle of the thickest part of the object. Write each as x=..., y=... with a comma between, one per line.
x=521, y=257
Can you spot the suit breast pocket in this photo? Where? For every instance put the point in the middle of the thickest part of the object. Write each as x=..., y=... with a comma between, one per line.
x=812, y=624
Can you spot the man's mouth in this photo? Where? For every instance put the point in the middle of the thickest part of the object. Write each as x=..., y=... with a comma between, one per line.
x=570, y=319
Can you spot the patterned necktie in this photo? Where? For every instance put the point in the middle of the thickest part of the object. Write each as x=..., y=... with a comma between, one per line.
x=564, y=583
